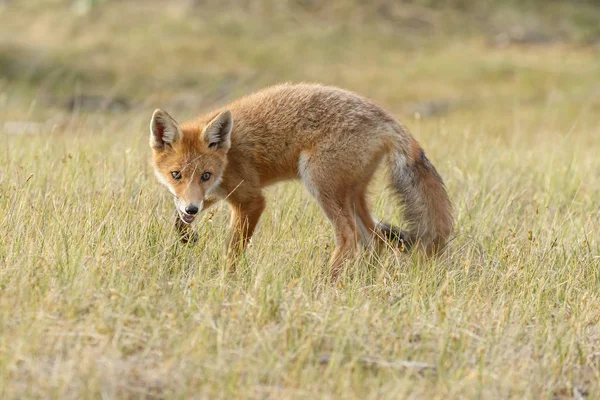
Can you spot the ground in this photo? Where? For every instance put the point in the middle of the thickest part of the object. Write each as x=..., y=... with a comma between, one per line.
x=99, y=299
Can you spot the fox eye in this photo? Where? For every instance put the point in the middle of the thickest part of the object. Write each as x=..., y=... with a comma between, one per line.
x=176, y=175
x=205, y=176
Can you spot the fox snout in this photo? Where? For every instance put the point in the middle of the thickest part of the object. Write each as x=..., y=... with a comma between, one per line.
x=191, y=209
x=187, y=211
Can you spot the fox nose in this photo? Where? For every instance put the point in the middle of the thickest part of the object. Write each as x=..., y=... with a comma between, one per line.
x=191, y=209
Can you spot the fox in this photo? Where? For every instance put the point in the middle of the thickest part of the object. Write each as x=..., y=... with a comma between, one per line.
x=331, y=139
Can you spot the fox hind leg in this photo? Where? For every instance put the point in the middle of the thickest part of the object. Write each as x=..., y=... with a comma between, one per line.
x=335, y=198
x=347, y=234
x=380, y=234
x=364, y=220
x=376, y=233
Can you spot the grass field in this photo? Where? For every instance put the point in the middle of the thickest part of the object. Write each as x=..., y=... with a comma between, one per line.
x=98, y=299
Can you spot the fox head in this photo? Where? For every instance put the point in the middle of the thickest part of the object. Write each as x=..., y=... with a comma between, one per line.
x=190, y=161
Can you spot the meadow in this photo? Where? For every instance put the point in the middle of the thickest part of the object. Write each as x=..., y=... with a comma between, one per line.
x=98, y=298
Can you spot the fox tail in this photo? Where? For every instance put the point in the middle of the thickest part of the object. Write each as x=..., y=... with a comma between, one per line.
x=427, y=208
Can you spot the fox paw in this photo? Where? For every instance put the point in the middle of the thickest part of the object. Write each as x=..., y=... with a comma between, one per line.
x=396, y=236
x=188, y=238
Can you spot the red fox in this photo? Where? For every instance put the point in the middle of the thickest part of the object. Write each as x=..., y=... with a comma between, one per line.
x=331, y=139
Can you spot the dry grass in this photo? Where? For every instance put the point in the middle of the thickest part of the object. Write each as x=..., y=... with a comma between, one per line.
x=98, y=299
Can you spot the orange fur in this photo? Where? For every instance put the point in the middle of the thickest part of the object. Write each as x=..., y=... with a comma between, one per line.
x=331, y=139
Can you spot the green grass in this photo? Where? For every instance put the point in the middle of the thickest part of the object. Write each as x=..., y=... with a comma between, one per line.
x=99, y=299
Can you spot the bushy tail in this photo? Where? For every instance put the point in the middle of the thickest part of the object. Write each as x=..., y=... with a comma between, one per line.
x=427, y=208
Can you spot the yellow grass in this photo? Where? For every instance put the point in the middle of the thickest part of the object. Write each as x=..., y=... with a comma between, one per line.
x=98, y=299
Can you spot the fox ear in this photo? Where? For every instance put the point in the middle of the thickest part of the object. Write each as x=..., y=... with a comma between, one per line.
x=164, y=130
x=217, y=133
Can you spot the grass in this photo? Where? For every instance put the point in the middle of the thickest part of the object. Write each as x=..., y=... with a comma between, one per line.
x=98, y=299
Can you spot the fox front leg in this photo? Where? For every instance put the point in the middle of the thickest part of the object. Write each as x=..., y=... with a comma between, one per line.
x=185, y=232
x=244, y=217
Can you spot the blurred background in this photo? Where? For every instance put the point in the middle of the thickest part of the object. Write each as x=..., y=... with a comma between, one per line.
x=423, y=58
